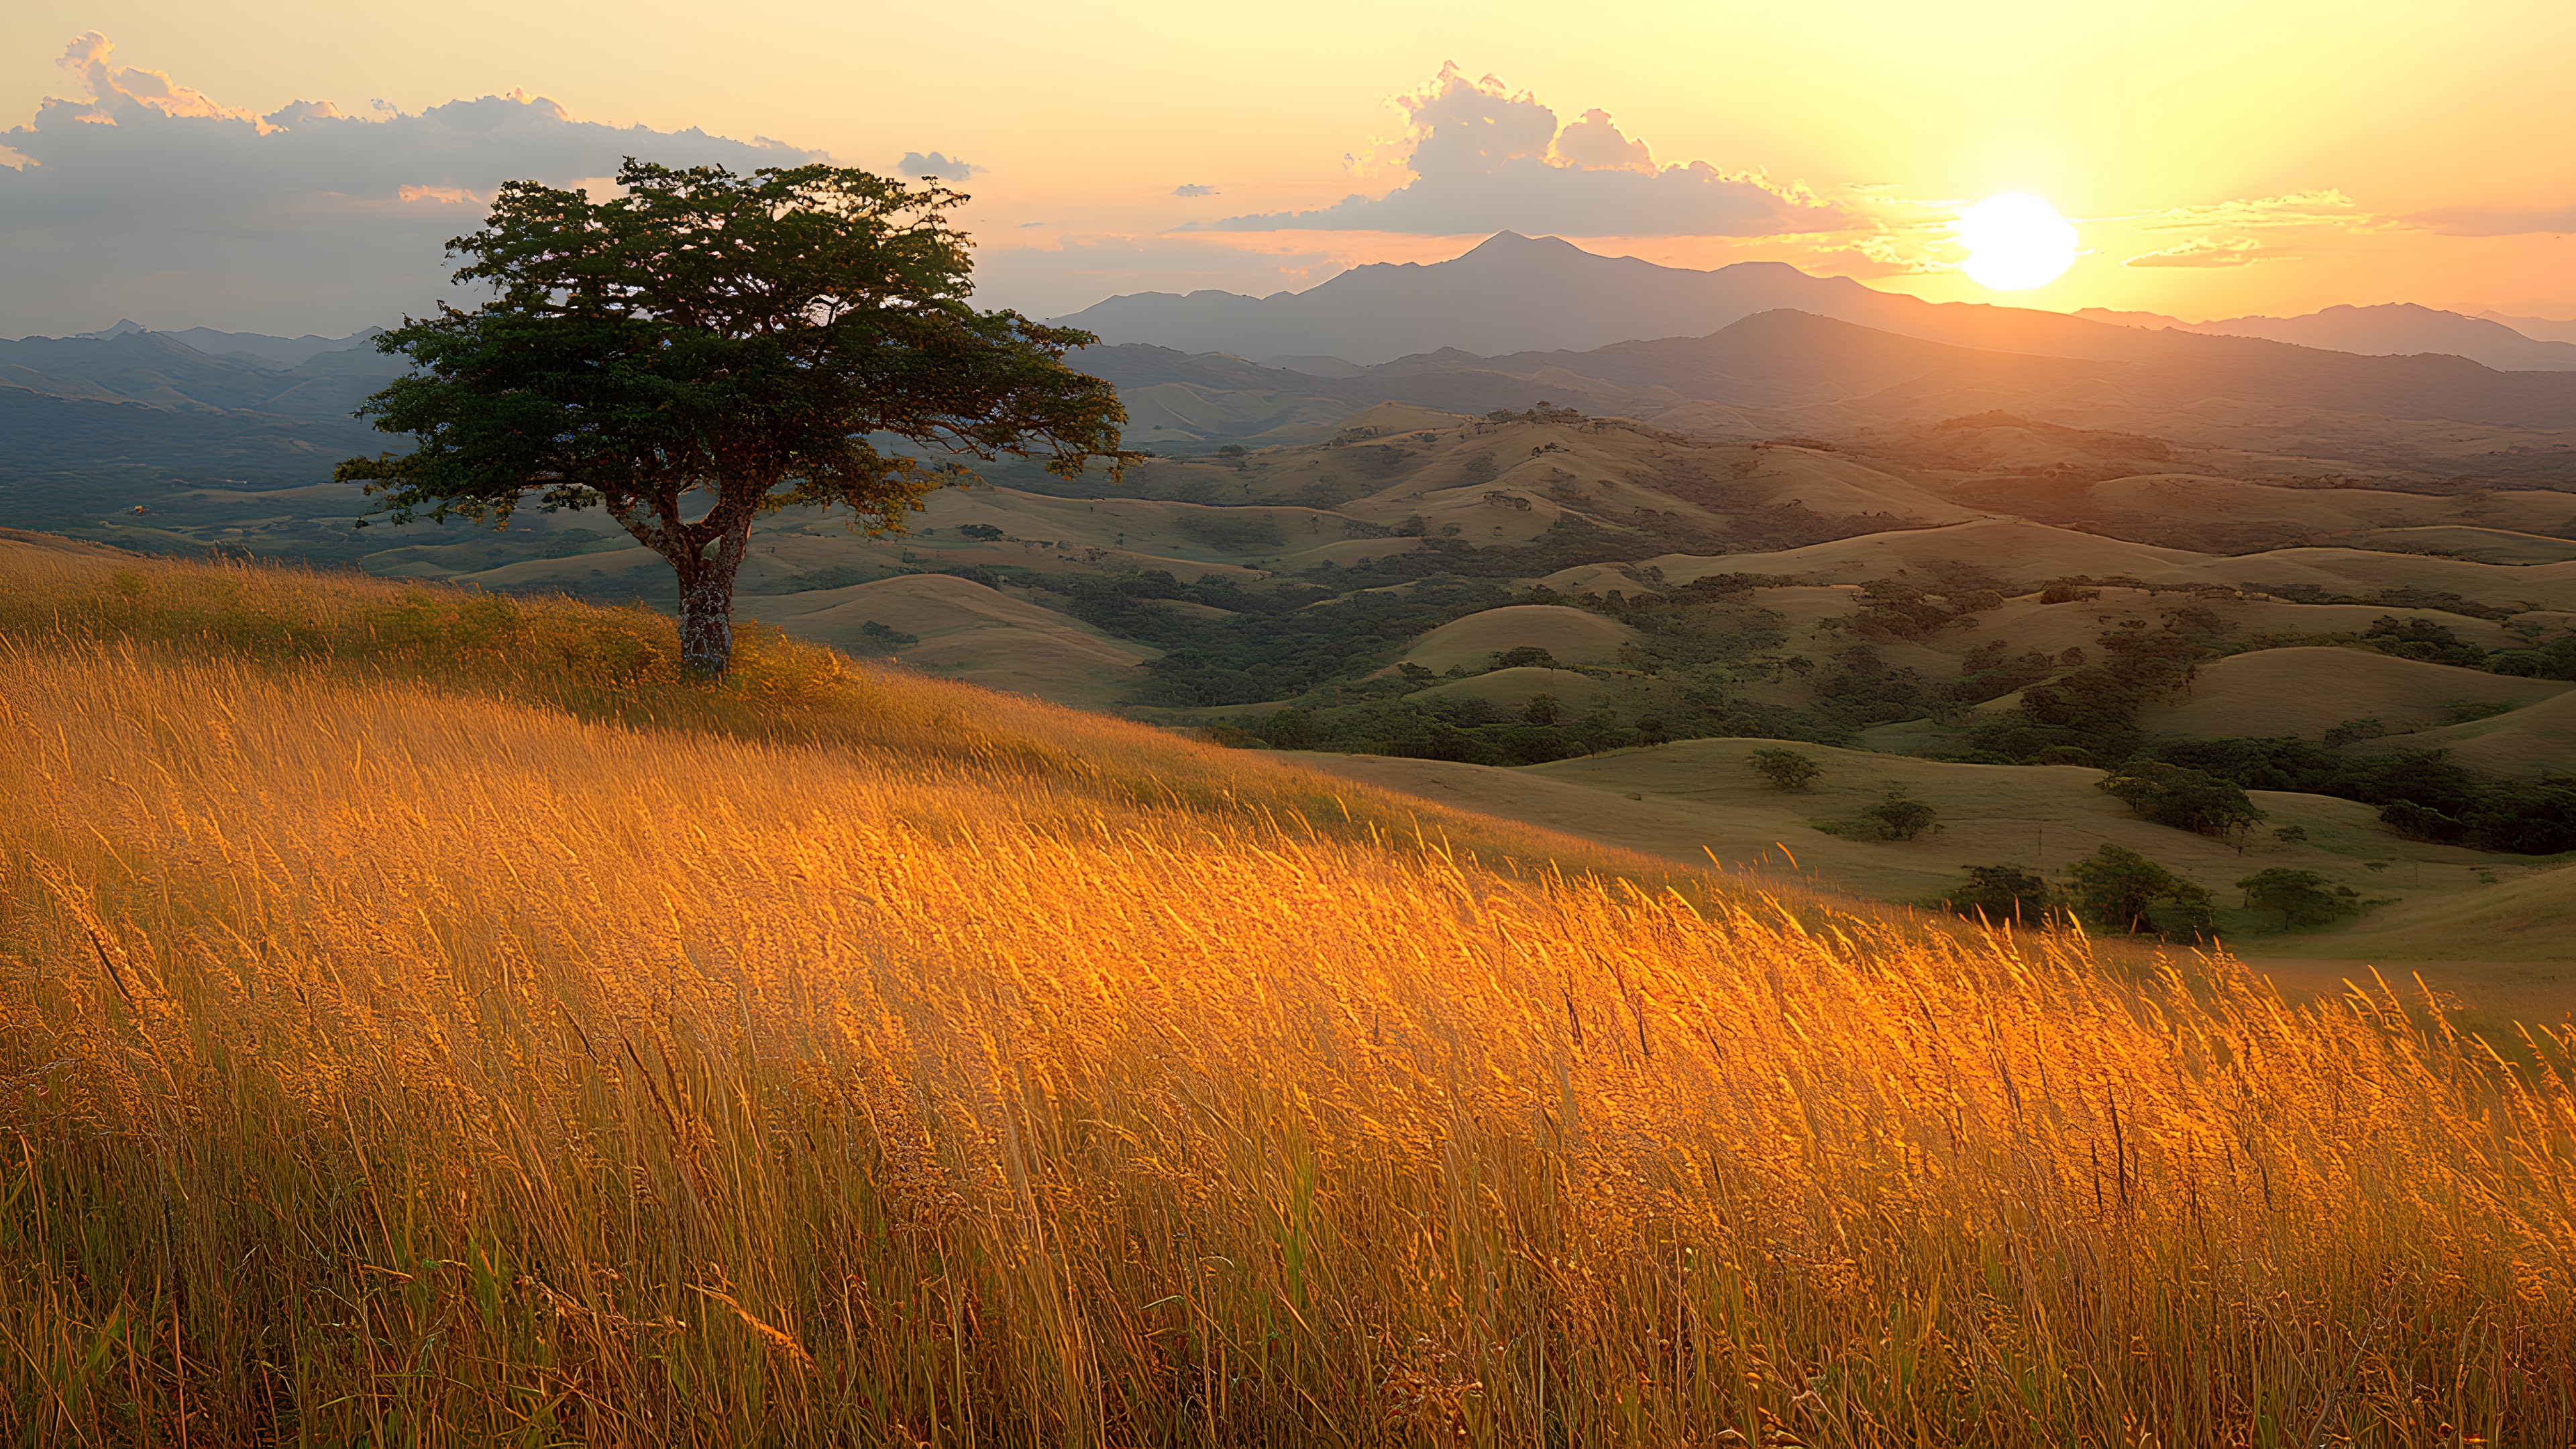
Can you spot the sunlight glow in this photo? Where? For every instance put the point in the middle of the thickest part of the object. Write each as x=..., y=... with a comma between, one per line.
x=2015, y=242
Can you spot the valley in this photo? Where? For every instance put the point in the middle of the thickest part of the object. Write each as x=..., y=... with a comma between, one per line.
x=1995, y=553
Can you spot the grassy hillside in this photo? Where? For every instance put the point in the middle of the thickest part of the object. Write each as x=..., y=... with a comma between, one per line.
x=1695, y=800
x=422, y=1021
x=2307, y=692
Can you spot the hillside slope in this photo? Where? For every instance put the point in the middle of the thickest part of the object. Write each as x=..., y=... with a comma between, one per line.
x=425, y=1020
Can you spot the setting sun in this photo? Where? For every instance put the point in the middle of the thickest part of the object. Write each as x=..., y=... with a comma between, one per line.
x=2015, y=242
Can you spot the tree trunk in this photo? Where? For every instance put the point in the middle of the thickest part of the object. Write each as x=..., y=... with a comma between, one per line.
x=706, y=621
x=706, y=555
x=706, y=600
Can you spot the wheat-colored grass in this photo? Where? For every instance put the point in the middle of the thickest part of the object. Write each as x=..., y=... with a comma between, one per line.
x=384, y=1061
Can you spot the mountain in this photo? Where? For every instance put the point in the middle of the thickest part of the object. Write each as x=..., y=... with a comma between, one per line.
x=2389, y=330
x=2540, y=329
x=1511, y=293
x=1792, y=371
x=1514, y=294
x=159, y=370
x=275, y=351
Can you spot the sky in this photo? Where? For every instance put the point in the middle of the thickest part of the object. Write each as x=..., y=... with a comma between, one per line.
x=289, y=166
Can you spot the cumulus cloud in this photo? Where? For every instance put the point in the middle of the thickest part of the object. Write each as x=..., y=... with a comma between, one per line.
x=1192, y=188
x=1484, y=159
x=147, y=198
x=934, y=164
x=2495, y=221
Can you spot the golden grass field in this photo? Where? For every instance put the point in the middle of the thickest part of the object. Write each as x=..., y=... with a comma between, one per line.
x=425, y=1021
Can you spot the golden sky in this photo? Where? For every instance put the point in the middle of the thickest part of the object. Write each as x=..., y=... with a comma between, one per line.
x=2219, y=158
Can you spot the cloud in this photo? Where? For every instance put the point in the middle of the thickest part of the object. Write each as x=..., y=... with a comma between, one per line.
x=1193, y=189
x=934, y=164
x=1482, y=159
x=2205, y=252
x=147, y=198
x=2247, y=230
x=2264, y=213
x=2494, y=221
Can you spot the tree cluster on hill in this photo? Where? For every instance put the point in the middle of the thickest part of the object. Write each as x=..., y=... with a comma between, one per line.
x=2421, y=793
x=2182, y=797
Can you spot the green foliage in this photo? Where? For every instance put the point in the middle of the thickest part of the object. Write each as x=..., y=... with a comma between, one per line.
x=2300, y=896
x=2553, y=660
x=886, y=636
x=2422, y=639
x=2001, y=893
x=1900, y=817
x=2182, y=797
x=1274, y=643
x=724, y=344
x=1785, y=769
x=2095, y=708
x=2118, y=889
x=1229, y=530
x=1541, y=710
x=2420, y=792
x=980, y=532
x=1291, y=729
x=1524, y=656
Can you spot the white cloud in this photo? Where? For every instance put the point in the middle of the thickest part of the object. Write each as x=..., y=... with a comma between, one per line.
x=148, y=198
x=943, y=167
x=1192, y=188
x=1483, y=159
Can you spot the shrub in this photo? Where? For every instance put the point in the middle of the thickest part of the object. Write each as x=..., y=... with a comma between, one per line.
x=1524, y=656
x=2121, y=890
x=1901, y=818
x=886, y=636
x=984, y=531
x=2299, y=895
x=2004, y=893
x=1542, y=709
x=1785, y=769
x=1291, y=729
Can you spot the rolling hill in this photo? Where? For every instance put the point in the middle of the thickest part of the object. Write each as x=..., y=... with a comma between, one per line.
x=2307, y=692
x=425, y=1008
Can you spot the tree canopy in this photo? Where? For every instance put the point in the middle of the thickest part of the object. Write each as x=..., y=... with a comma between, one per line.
x=705, y=348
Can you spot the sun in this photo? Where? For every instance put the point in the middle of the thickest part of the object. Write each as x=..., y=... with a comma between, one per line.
x=2015, y=242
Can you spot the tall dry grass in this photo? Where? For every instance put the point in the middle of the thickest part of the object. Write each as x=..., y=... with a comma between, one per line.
x=383, y=1063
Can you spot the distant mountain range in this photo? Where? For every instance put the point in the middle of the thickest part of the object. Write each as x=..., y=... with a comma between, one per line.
x=1756, y=349
x=2393, y=330
x=164, y=370
x=1515, y=294
x=278, y=351
x=1787, y=364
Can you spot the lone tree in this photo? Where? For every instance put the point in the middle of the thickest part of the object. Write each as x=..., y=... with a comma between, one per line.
x=1900, y=817
x=1785, y=769
x=707, y=348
